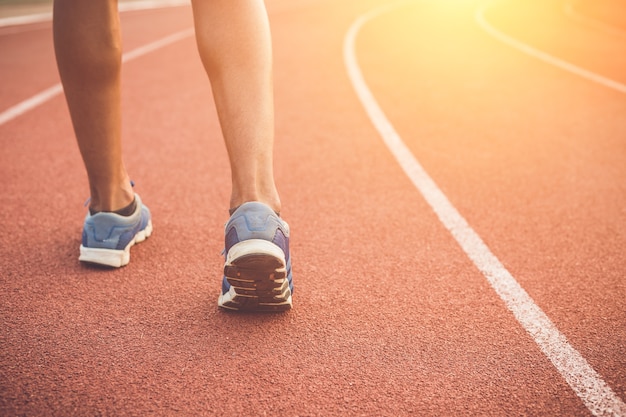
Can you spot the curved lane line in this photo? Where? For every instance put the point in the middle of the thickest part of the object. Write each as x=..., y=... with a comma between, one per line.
x=582, y=378
x=550, y=59
x=571, y=12
x=44, y=96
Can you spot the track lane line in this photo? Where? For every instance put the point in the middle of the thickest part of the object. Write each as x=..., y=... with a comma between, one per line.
x=49, y=93
x=571, y=12
x=122, y=7
x=597, y=396
x=536, y=53
x=25, y=19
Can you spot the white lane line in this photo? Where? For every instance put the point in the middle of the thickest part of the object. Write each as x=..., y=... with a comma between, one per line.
x=28, y=104
x=550, y=59
x=42, y=97
x=151, y=4
x=582, y=378
x=123, y=7
x=143, y=50
x=571, y=12
x=26, y=19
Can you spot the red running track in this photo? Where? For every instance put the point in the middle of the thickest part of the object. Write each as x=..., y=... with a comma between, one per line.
x=390, y=315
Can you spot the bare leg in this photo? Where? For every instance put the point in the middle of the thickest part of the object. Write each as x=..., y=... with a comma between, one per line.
x=88, y=50
x=235, y=46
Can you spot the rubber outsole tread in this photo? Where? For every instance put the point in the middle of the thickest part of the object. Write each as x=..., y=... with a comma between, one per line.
x=259, y=282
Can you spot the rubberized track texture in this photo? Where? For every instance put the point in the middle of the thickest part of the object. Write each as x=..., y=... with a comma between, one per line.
x=496, y=287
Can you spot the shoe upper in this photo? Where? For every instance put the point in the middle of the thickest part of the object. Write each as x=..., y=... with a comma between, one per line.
x=112, y=231
x=257, y=221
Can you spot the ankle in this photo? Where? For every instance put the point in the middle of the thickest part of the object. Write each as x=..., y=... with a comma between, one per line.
x=272, y=202
x=127, y=211
x=111, y=199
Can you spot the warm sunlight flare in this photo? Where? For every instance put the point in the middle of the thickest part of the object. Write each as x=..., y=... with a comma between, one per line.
x=583, y=35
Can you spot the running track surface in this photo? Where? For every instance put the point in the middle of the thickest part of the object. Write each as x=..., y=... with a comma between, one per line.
x=391, y=317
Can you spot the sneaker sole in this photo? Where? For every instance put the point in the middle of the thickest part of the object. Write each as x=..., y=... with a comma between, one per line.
x=115, y=258
x=256, y=272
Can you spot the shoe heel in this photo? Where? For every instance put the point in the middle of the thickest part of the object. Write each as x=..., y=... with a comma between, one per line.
x=258, y=282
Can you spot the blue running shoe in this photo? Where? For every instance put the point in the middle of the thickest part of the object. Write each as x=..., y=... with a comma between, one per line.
x=257, y=269
x=107, y=237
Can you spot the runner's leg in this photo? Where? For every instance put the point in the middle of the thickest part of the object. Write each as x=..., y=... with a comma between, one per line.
x=88, y=49
x=235, y=46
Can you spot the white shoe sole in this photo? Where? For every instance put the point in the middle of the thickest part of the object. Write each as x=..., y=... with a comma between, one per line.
x=115, y=258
